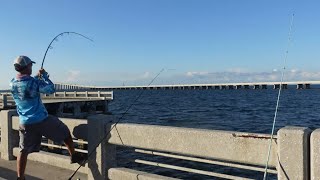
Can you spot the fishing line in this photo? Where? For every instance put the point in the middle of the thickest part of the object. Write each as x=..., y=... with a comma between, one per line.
x=278, y=99
x=106, y=135
x=56, y=38
x=157, y=103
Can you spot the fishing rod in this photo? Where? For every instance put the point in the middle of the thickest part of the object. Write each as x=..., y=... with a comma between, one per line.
x=56, y=38
x=106, y=135
x=278, y=99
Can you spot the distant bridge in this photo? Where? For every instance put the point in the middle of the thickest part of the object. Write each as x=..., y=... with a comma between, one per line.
x=254, y=85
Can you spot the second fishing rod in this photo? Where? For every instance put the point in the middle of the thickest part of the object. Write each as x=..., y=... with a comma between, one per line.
x=114, y=125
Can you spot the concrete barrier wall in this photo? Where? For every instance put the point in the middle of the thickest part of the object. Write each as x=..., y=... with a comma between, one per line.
x=315, y=155
x=129, y=174
x=9, y=137
x=7, y=102
x=78, y=127
x=293, y=152
x=81, y=94
x=237, y=147
x=103, y=154
x=290, y=151
x=57, y=160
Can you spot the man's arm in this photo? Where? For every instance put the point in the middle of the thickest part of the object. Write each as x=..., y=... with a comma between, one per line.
x=45, y=84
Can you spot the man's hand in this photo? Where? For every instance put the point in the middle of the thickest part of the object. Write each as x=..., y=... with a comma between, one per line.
x=41, y=71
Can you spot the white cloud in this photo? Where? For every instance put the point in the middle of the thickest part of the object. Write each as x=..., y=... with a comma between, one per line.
x=189, y=77
x=194, y=73
x=237, y=70
x=73, y=75
x=294, y=70
x=242, y=75
x=146, y=75
x=310, y=75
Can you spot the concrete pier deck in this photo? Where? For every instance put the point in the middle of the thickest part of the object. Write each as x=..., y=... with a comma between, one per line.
x=36, y=171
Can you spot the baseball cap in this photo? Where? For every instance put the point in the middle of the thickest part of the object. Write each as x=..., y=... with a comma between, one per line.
x=23, y=61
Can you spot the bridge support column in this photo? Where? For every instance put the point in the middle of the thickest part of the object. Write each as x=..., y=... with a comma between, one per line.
x=104, y=156
x=293, y=151
x=307, y=86
x=315, y=155
x=300, y=86
x=238, y=86
x=284, y=86
x=77, y=110
x=246, y=87
x=256, y=86
x=9, y=137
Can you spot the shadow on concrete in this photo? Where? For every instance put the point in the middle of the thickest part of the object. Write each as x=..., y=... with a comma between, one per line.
x=81, y=132
x=10, y=174
x=97, y=159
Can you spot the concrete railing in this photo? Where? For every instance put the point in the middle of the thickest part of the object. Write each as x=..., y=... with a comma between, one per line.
x=236, y=85
x=289, y=154
x=7, y=102
x=10, y=140
x=81, y=94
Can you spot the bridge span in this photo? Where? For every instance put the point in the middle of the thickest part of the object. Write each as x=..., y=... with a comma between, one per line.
x=221, y=86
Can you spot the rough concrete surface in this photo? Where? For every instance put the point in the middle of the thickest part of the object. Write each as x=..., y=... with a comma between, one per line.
x=315, y=155
x=36, y=171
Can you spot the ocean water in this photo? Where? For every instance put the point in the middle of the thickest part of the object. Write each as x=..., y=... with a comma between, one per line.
x=234, y=110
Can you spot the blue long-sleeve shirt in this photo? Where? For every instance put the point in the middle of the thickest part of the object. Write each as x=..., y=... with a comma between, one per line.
x=26, y=94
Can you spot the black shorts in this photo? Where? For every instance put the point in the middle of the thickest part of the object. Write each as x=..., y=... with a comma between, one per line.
x=31, y=134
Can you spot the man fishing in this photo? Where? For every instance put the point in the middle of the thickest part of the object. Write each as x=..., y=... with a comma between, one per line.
x=34, y=119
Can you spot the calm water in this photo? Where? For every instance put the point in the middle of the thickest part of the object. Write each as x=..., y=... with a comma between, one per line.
x=235, y=110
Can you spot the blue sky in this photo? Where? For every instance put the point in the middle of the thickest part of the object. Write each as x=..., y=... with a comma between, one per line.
x=196, y=41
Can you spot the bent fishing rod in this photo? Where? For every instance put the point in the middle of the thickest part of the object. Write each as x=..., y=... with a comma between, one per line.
x=56, y=38
x=114, y=125
x=278, y=98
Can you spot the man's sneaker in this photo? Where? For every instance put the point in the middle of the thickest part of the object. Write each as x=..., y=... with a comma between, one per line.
x=78, y=158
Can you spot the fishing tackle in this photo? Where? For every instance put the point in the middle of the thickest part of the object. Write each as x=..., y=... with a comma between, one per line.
x=106, y=135
x=278, y=99
x=56, y=38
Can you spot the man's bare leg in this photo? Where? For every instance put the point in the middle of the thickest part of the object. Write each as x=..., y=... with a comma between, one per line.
x=69, y=144
x=21, y=164
x=75, y=157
